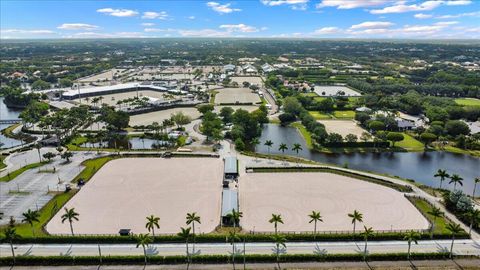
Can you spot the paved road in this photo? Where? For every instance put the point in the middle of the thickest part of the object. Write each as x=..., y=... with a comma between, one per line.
x=463, y=247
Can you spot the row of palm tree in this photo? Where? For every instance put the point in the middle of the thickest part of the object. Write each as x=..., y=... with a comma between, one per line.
x=454, y=179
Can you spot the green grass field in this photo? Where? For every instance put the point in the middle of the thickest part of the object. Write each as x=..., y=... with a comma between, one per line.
x=2, y=165
x=410, y=144
x=344, y=114
x=440, y=223
x=319, y=115
x=468, y=101
x=304, y=132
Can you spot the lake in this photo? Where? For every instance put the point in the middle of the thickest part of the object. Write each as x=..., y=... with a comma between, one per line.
x=418, y=166
x=7, y=114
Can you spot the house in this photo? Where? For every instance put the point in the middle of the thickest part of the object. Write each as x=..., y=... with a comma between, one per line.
x=404, y=124
x=267, y=68
x=249, y=69
x=228, y=68
x=363, y=109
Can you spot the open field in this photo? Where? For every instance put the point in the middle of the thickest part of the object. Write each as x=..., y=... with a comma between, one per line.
x=112, y=99
x=159, y=116
x=295, y=195
x=249, y=108
x=468, y=101
x=127, y=190
x=344, y=114
x=251, y=79
x=332, y=90
x=410, y=143
x=104, y=76
x=319, y=115
x=236, y=95
x=343, y=127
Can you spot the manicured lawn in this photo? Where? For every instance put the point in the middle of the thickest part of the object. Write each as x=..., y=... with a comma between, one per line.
x=304, y=132
x=91, y=167
x=2, y=165
x=344, y=114
x=46, y=213
x=468, y=101
x=16, y=173
x=319, y=98
x=440, y=223
x=319, y=115
x=310, y=94
x=409, y=143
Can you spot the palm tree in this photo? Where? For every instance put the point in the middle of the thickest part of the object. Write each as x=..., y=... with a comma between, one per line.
x=355, y=216
x=152, y=222
x=232, y=237
x=475, y=182
x=144, y=240
x=455, y=178
x=192, y=218
x=435, y=213
x=269, y=144
x=410, y=237
x=366, y=233
x=315, y=217
x=39, y=146
x=30, y=217
x=297, y=147
x=185, y=234
x=454, y=230
x=275, y=220
x=11, y=235
x=282, y=148
x=235, y=216
x=255, y=141
x=474, y=216
x=442, y=174
x=70, y=215
x=279, y=241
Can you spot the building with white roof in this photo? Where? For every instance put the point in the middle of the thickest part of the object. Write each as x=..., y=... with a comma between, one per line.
x=110, y=89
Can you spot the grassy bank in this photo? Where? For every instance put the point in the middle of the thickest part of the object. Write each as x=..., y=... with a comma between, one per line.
x=11, y=175
x=2, y=164
x=305, y=133
x=410, y=144
x=440, y=226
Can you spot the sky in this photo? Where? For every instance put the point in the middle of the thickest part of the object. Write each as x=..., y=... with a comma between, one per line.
x=395, y=19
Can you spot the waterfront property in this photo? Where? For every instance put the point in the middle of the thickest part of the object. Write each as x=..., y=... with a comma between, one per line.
x=296, y=195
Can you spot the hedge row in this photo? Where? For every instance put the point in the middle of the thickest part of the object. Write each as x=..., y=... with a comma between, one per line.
x=358, y=144
x=220, y=238
x=254, y=258
x=401, y=188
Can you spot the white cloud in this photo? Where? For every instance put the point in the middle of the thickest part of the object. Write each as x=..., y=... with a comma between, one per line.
x=77, y=26
x=222, y=9
x=372, y=25
x=283, y=2
x=422, y=16
x=447, y=23
x=191, y=17
x=375, y=31
x=468, y=14
x=150, y=30
x=147, y=24
x=204, y=33
x=239, y=28
x=420, y=29
x=28, y=31
x=327, y=31
x=349, y=4
x=118, y=12
x=162, y=15
x=401, y=6
x=458, y=3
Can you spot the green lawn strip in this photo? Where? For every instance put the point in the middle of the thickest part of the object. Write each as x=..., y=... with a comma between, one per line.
x=319, y=115
x=409, y=143
x=453, y=149
x=2, y=164
x=305, y=133
x=401, y=188
x=8, y=132
x=10, y=176
x=212, y=96
x=310, y=94
x=46, y=213
x=440, y=226
x=468, y=101
x=344, y=114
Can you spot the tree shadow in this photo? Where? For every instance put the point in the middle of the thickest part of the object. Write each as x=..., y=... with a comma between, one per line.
x=197, y=252
x=458, y=265
x=28, y=252
x=68, y=252
x=281, y=250
x=152, y=250
x=412, y=265
x=318, y=251
x=441, y=249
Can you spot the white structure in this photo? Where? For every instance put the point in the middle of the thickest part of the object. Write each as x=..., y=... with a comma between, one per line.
x=111, y=89
x=267, y=68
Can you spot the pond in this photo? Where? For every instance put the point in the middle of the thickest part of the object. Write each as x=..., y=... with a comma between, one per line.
x=7, y=114
x=410, y=165
x=134, y=143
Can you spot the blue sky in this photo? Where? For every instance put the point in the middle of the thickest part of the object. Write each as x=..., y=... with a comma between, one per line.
x=449, y=19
